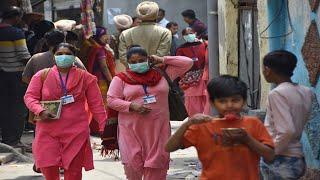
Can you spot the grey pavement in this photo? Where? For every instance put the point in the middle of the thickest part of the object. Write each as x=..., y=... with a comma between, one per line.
x=182, y=165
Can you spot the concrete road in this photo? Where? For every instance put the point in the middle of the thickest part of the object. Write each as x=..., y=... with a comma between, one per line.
x=183, y=163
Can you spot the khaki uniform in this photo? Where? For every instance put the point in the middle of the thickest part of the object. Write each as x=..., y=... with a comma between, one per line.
x=155, y=39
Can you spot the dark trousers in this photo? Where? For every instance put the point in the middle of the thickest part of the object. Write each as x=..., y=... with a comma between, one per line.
x=12, y=108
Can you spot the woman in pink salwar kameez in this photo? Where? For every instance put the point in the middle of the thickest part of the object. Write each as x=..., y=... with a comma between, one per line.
x=140, y=94
x=64, y=142
x=193, y=83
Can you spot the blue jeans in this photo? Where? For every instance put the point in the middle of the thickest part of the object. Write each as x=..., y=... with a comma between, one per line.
x=283, y=168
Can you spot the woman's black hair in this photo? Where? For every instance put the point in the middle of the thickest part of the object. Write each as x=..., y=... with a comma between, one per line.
x=71, y=36
x=226, y=86
x=170, y=24
x=54, y=38
x=136, y=49
x=184, y=31
x=65, y=45
x=11, y=12
x=42, y=27
x=281, y=62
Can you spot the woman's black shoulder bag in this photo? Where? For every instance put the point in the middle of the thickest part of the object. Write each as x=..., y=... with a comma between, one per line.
x=178, y=111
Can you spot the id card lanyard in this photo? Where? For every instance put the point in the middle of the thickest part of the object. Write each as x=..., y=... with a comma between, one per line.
x=148, y=99
x=194, y=53
x=64, y=84
x=145, y=87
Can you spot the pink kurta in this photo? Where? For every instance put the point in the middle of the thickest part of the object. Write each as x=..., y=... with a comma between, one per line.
x=142, y=137
x=195, y=98
x=57, y=142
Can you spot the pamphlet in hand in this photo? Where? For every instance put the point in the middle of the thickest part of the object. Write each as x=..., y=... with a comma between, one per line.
x=53, y=106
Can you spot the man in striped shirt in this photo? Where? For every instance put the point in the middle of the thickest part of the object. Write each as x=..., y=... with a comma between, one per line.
x=13, y=57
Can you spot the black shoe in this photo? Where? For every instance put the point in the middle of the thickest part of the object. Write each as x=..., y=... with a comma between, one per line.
x=35, y=169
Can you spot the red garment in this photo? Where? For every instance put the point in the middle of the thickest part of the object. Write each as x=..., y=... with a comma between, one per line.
x=109, y=59
x=92, y=60
x=73, y=173
x=196, y=51
x=221, y=161
x=58, y=142
x=150, y=78
x=205, y=75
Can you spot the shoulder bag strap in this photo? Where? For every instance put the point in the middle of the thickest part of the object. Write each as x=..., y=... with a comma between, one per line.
x=44, y=74
x=165, y=75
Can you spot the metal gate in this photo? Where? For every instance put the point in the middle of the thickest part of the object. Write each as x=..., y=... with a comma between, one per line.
x=249, y=57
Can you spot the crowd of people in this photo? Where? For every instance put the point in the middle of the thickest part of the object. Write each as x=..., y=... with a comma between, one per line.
x=129, y=106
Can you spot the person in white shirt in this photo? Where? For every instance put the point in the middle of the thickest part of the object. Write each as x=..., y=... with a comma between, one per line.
x=161, y=20
x=174, y=28
x=288, y=110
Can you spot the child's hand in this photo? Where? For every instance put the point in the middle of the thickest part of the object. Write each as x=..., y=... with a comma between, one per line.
x=239, y=135
x=199, y=118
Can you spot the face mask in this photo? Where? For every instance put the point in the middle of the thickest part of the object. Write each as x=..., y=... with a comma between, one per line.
x=64, y=61
x=140, y=67
x=190, y=38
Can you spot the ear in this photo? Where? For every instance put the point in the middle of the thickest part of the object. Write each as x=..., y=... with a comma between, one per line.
x=244, y=103
x=267, y=70
x=212, y=103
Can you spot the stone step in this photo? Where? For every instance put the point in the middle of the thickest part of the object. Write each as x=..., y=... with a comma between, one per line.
x=20, y=150
x=5, y=158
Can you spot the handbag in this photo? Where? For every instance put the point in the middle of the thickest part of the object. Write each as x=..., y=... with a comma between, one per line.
x=44, y=74
x=177, y=109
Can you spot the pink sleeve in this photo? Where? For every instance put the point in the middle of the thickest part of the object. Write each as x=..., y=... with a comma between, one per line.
x=96, y=104
x=115, y=96
x=177, y=65
x=32, y=97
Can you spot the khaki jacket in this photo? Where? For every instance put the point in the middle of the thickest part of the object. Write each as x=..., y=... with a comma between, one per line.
x=155, y=39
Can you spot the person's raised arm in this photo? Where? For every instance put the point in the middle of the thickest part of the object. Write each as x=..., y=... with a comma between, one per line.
x=175, y=142
x=175, y=65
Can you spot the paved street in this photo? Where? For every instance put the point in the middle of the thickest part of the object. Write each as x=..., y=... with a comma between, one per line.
x=182, y=164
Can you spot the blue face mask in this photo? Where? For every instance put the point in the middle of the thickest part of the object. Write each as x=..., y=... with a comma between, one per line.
x=64, y=61
x=140, y=67
x=190, y=38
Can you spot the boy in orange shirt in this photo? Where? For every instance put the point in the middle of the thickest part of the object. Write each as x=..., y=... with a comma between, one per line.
x=230, y=146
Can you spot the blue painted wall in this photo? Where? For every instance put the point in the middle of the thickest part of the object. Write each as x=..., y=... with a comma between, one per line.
x=301, y=17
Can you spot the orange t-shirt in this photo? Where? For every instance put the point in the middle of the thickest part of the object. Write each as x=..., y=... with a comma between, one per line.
x=227, y=162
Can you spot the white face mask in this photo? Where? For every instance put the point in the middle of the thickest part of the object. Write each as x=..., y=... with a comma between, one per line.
x=190, y=38
x=140, y=67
